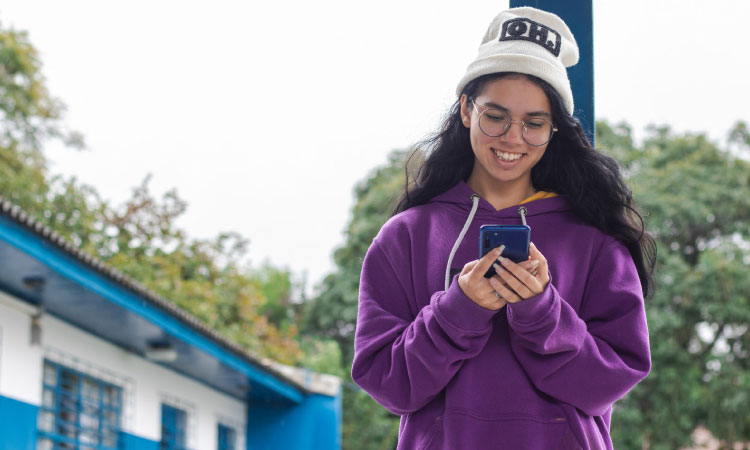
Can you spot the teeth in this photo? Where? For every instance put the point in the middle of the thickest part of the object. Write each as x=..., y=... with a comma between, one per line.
x=505, y=156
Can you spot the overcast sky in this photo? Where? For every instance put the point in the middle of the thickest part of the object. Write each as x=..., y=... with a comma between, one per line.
x=201, y=95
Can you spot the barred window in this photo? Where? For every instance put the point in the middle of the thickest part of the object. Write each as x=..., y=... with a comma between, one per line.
x=173, y=428
x=78, y=411
x=227, y=438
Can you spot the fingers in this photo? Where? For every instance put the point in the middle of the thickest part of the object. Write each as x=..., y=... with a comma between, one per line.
x=515, y=282
x=473, y=283
x=519, y=279
x=536, y=255
x=506, y=293
x=531, y=265
x=543, y=268
x=488, y=259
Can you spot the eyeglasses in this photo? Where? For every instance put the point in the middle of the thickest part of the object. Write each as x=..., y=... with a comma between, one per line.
x=536, y=131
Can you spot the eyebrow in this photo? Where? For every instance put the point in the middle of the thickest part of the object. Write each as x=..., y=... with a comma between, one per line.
x=530, y=114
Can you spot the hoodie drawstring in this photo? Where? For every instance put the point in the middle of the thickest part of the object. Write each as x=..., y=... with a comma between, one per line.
x=522, y=211
x=474, y=206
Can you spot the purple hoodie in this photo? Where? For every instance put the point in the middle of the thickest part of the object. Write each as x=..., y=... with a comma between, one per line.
x=539, y=374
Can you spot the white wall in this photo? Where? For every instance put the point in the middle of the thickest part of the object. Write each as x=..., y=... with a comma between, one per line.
x=145, y=384
x=20, y=363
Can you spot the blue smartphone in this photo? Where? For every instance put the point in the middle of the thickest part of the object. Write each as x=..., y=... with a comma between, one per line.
x=515, y=238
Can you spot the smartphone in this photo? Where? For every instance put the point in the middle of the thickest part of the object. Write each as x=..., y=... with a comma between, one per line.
x=515, y=238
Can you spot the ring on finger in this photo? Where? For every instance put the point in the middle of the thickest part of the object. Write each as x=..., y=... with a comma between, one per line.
x=497, y=294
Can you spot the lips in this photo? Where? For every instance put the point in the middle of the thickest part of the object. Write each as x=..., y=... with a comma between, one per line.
x=508, y=156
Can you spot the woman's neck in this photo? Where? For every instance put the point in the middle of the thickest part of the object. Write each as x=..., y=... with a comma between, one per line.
x=501, y=194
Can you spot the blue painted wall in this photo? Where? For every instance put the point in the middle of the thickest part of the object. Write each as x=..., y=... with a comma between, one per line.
x=315, y=424
x=579, y=16
x=17, y=424
x=18, y=428
x=132, y=442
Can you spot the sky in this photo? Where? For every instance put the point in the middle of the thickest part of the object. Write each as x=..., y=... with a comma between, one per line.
x=264, y=115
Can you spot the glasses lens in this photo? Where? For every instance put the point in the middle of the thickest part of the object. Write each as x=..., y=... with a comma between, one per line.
x=537, y=131
x=494, y=122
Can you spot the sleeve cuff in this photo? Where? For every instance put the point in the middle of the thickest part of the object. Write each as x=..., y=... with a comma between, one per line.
x=533, y=309
x=453, y=307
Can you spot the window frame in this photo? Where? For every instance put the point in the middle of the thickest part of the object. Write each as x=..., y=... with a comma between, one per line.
x=174, y=421
x=71, y=402
x=227, y=437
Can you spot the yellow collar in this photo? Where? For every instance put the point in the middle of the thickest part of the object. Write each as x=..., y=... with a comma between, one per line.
x=539, y=195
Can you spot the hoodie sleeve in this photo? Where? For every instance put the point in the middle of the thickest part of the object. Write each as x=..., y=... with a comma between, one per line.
x=404, y=361
x=592, y=360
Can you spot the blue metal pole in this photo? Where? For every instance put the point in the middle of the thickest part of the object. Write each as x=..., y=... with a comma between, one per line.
x=578, y=14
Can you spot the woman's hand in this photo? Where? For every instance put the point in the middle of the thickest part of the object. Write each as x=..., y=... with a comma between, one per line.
x=473, y=283
x=516, y=282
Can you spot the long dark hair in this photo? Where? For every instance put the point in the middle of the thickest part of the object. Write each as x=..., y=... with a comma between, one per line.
x=570, y=166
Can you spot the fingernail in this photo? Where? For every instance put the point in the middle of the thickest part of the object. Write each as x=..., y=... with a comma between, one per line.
x=499, y=250
x=500, y=259
x=505, y=261
x=498, y=269
x=534, y=263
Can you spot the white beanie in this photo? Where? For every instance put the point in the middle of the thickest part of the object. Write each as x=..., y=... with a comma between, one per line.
x=531, y=41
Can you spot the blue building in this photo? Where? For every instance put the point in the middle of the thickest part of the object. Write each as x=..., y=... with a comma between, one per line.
x=90, y=359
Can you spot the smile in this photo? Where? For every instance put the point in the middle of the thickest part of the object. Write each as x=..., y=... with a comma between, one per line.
x=506, y=156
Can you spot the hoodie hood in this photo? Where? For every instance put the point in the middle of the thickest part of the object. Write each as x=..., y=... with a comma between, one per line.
x=460, y=197
x=472, y=205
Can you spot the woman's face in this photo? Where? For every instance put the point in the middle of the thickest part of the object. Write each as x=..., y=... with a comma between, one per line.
x=506, y=159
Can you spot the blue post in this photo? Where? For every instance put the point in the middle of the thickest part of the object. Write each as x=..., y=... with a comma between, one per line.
x=578, y=14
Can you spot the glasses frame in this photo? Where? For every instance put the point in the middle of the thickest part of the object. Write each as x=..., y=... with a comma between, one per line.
x=524, y=128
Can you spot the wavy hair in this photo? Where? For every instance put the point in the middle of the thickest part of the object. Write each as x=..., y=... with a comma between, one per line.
x=570, y=166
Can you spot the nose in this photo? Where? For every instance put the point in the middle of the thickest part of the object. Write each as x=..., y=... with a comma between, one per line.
x=514, y=134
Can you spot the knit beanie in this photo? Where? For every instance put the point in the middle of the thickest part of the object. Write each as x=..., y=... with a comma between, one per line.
x=531, y=41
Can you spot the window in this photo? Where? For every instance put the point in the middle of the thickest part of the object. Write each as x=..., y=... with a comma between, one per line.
x=227, y=438
x=173, y=424
x=78, y=411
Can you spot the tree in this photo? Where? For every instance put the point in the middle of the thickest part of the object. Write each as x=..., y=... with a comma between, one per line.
x=209, y=278
x=696, y=199
x=29, y=117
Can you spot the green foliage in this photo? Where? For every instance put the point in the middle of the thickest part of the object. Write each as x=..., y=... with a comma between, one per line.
x=740, y=135
x=207, y=277
x=696, y=197
x=277, y=284
x=29, y=116
x=367, y=425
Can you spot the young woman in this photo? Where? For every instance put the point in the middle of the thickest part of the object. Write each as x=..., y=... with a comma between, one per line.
x=534, y=357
